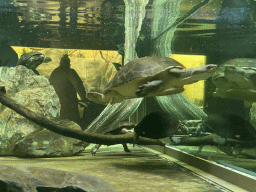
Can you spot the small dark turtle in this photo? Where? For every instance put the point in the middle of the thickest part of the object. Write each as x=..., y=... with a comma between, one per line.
x=122, y=128
x=150, y=77
x=230, y=126
x=32, y=60
x=157, y=125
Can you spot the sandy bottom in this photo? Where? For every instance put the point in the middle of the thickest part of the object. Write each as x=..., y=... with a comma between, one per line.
x=127, y=172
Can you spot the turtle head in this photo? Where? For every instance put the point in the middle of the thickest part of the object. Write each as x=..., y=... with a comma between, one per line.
x=202, y=72
x=47, y=60
x=192, y=75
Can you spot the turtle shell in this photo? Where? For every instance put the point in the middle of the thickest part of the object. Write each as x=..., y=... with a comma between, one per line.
x=31, y=60
x=141, y=68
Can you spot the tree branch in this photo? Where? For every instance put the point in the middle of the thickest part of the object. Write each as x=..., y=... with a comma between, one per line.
x=68, y=132
x=54, y=126
x=212, y=139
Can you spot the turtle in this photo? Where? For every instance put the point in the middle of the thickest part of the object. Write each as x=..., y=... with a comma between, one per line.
x=158, y=125
x=236, y=78
x=122, y=128
x=32, y=60
x=150, y=77
x=229, y=125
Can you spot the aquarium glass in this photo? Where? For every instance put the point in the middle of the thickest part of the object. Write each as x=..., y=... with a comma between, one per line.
x=102, y=36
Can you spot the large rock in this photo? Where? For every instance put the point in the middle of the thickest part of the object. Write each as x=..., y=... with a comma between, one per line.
x=33, y=179
x=46, y=143
x=31, y=91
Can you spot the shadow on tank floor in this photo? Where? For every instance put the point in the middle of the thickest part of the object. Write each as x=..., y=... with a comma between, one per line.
x=127, y=172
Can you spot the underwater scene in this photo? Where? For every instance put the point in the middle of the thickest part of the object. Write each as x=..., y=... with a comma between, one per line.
x=127, y=95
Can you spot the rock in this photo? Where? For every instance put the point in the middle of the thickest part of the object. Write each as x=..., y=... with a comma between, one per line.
x=35, y=179
x=62, y=189
x=46, y=143
x=32, y=91
x=10, y=186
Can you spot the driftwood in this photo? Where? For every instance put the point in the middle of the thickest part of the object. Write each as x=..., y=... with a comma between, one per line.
x=69, y=132
x=51, y=125
x=212, y=139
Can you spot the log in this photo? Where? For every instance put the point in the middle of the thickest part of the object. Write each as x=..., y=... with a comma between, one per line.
x=69, y=132
x=212, y=139
x=97, y=138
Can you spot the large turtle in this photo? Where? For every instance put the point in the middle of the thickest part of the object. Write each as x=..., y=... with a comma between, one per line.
x=150, y=77
x=32, y=60
x=236, y=78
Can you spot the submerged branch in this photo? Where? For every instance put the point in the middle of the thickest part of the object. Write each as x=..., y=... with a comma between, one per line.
x=212, y=139
x=54, y=126
x=69, y=132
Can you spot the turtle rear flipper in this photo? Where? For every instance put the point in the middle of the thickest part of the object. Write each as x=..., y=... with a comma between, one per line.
x=106, y=98
x=114, y=97
x=95, y=97
x=173, y=91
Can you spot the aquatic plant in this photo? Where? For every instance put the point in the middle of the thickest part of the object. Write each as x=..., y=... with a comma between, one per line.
x=66, y=51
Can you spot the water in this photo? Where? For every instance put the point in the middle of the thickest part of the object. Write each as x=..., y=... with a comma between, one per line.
x=76, y=24
x=98, y=34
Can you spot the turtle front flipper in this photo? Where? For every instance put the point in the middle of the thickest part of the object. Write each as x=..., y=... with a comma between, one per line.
x=109, y=97
x=148, y=87
x=126, y=149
